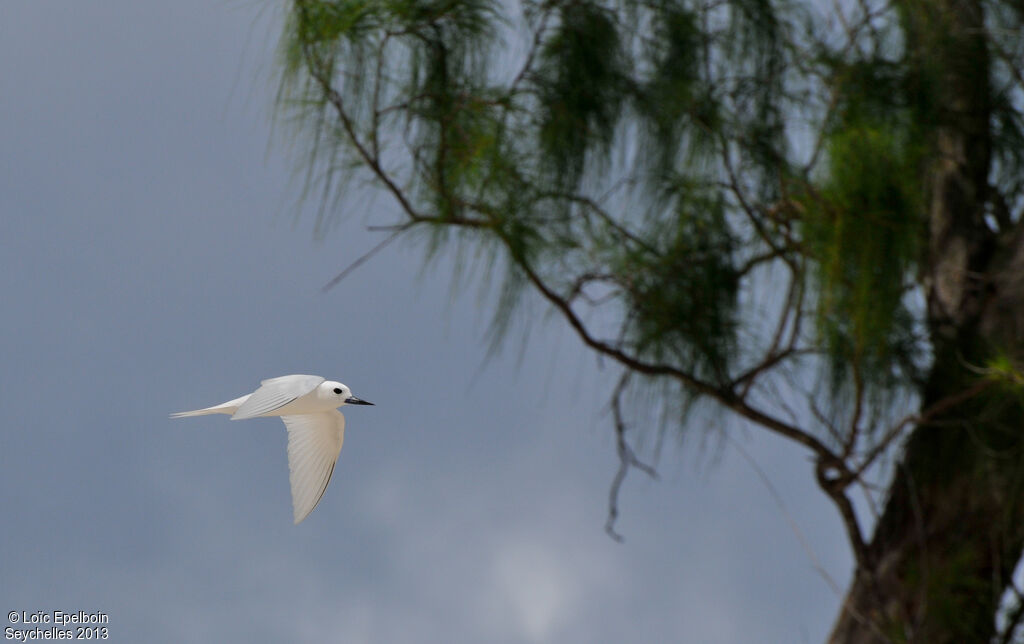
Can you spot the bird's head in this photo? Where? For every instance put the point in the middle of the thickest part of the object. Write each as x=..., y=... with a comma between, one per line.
x=341, y=393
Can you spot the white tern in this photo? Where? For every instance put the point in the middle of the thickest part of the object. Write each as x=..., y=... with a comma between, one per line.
x=308, y=405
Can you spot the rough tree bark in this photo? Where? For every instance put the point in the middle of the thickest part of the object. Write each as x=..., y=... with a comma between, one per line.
x=952, y=531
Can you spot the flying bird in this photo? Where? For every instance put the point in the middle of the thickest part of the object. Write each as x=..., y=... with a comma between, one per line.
x=308, y=405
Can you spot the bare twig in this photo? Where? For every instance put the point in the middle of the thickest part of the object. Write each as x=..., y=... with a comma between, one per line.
x=854, y=431
x=627, y=459
x=808, y=550
x=364, y=257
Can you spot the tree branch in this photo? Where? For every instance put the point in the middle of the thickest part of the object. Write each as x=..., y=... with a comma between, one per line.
x=833, y=472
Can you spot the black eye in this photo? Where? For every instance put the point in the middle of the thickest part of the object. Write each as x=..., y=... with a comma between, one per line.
x=337, y=391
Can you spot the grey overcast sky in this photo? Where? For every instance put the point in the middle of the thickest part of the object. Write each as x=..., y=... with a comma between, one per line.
x=155, y=257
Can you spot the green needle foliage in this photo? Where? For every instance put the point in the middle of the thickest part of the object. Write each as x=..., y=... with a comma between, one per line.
x=610, y=109
x=864, y=225
x=731, y=201
x=580, y=83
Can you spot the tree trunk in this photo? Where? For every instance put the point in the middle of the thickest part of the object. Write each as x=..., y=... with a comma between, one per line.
x=946, y=546
x=952, y=530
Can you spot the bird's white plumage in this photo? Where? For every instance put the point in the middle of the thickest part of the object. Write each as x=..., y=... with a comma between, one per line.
x=275, y=393
x=314, y=442
x=316, y=429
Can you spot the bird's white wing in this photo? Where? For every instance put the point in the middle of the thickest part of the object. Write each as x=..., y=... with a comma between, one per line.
x=314, y=442
x=276, y=393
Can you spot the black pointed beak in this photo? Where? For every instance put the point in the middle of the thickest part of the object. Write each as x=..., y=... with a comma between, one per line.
x=352, y=400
